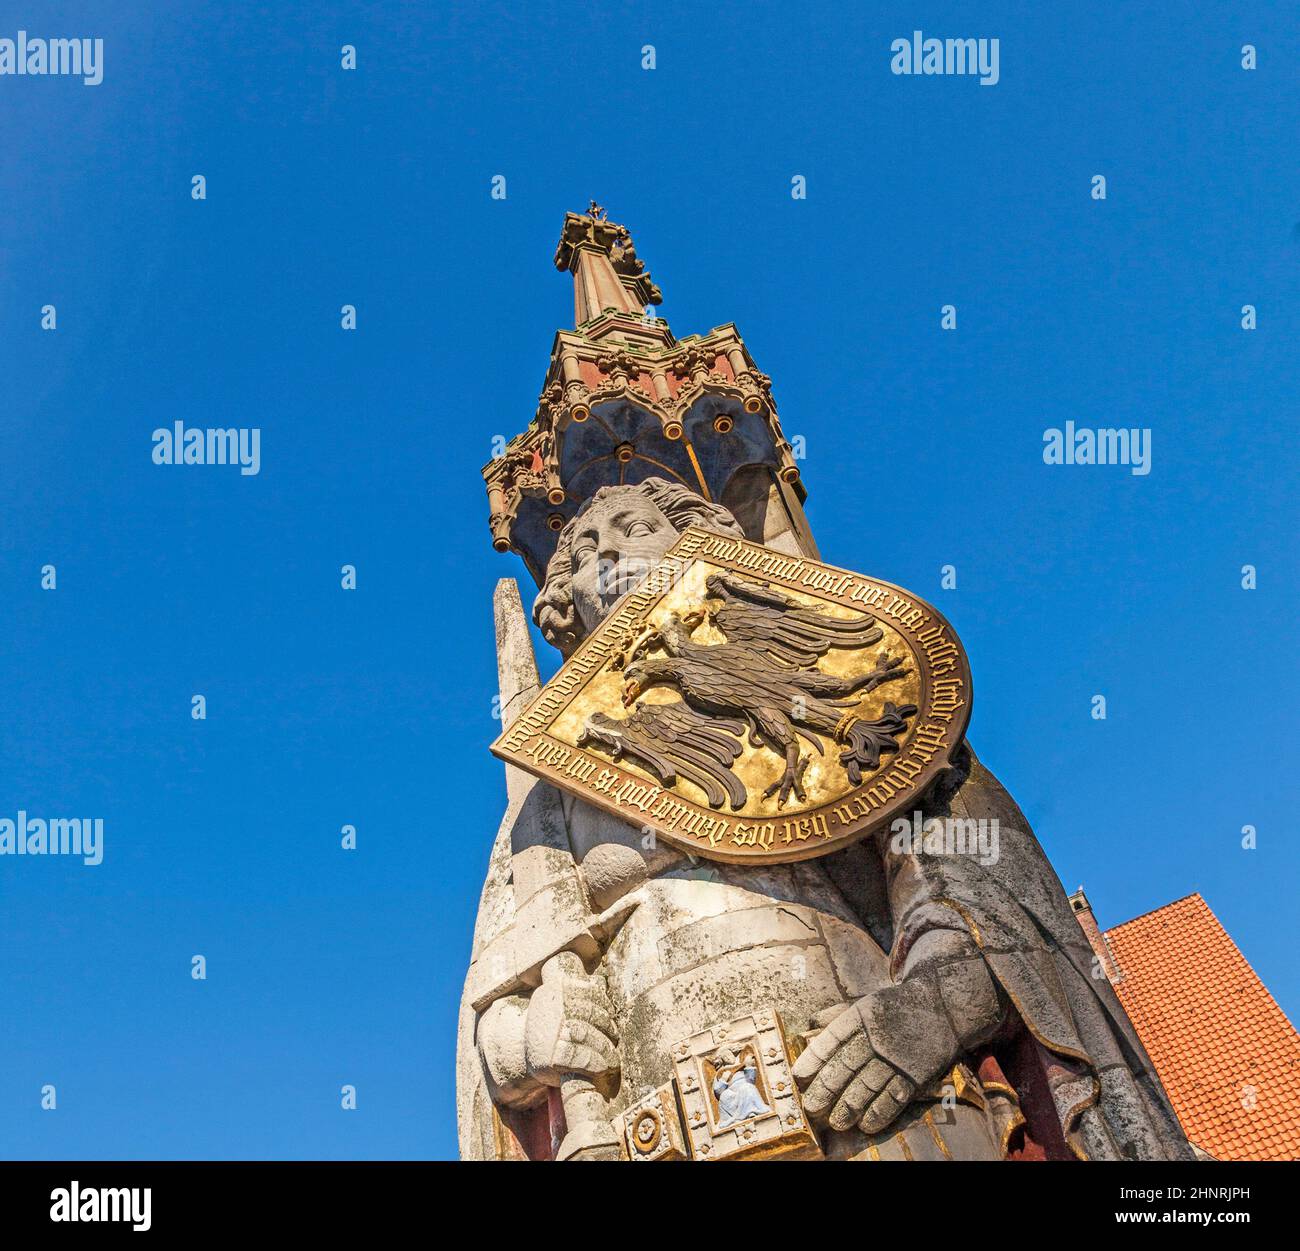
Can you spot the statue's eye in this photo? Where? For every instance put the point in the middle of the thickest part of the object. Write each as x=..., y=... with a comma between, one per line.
x=638, y=528
x=584, y=553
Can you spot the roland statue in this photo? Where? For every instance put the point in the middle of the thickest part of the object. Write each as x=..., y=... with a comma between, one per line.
x=892, y=998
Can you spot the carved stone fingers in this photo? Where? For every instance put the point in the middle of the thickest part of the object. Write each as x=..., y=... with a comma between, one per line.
x=822, y=1071
x=887, y=1105
x=846, y=1080
x=570, y=1030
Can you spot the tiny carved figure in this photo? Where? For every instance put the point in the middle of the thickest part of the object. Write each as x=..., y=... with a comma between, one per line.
x=735, y=1089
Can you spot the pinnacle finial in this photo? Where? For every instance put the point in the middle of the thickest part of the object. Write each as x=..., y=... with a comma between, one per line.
x=606, y=269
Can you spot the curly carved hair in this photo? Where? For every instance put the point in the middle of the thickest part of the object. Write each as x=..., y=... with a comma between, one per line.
x=554, y=610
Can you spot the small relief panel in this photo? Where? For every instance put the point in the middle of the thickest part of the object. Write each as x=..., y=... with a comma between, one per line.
x=652, y=1130
x=738, y=1094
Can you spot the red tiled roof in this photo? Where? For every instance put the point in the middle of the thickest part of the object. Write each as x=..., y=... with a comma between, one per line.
x=1226, y=1053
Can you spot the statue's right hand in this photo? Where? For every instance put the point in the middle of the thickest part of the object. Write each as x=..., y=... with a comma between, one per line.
x=570, y=1029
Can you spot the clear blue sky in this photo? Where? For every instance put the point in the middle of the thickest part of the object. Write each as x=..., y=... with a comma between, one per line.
x=373, y=707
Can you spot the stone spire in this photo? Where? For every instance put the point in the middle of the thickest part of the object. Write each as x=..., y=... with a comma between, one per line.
x=607, y=275
x=624, y=400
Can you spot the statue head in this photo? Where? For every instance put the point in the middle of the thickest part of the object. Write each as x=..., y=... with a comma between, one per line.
x=613, y=541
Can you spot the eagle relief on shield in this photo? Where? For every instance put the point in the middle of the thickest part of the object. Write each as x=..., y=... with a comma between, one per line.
x=745, y=704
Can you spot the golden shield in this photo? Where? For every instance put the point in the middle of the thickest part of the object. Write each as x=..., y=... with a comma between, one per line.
x=749, y=705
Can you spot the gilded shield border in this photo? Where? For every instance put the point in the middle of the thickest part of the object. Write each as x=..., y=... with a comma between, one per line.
x=937, y=730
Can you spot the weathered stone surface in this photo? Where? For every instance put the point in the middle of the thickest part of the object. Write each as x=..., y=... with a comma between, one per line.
x=555, y=917
x=501, y=1048
x=682, y=1005
x=473, y=1103
x=493, y=972
x=860, y=966
x=610, y=871
x=708, y=939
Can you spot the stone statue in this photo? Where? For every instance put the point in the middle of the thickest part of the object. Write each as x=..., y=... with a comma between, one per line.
x=937, y=1005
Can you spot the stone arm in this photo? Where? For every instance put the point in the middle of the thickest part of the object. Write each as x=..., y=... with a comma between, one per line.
x=944, y=1001
x=532, y=1016
x=560, y=1034
x=985, y=949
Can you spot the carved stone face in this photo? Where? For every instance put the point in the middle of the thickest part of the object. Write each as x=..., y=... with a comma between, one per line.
x=618, y=541
x=617, y=537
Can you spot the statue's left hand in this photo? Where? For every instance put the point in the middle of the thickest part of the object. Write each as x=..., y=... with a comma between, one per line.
x=847, y=1082
x=866, y=1066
